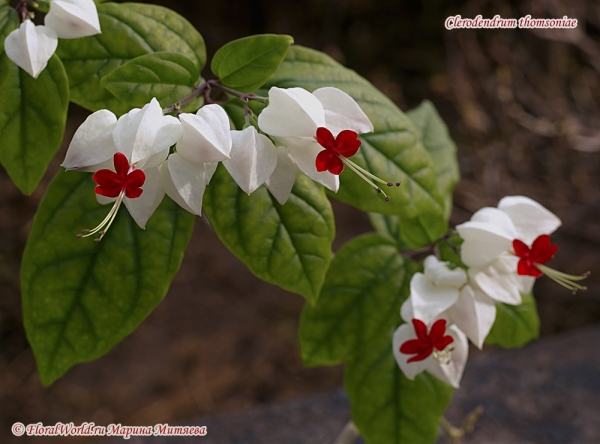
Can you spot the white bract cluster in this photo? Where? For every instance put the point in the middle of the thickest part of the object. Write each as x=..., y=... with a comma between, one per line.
x=504, y=250
x=131, y=160
x=30, y=46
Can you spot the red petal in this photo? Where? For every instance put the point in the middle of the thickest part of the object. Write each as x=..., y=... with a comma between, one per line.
x=329, y=161
x=542, y=250
x=420, y=329
x=347, y=143
x=121, y=165
x=421, y=356
x=325, y=138
x=109, y=183
x=444, y=342
x=520, y=248
x=437, y=330
x=411, y=347
x=526, y=268
x=108, y=191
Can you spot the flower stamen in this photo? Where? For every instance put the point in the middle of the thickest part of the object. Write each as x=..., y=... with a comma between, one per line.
x=125, y=181
x=336, y=153
x=532, y=260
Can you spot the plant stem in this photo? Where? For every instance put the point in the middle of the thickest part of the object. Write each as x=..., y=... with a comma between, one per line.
x=348, y=434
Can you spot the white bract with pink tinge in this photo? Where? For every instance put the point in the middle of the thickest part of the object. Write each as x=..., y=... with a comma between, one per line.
x=444, y=292
x=487, y=247
x=30, y=47
x=205, y=141
x=136, y=144
x=294, y=117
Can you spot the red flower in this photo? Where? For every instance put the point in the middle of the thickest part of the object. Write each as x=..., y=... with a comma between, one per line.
x=425, y=343
x=346, y=144
x=126, y=178
x=541, y=251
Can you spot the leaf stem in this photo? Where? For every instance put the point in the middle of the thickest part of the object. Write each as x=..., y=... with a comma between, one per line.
x=205, y=88
x=429, y=248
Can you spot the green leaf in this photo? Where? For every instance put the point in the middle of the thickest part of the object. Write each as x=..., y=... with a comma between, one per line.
x=3, y=3
x=287, y=245
x=417, y=232
x=393, y=151
x=165, y=75
x=386, y=407
x=247, y=63
x=33, y=114
x=420, y=231
x=515, y=325
x=441, y=148
x=129, y=30
x=81, y=297
x=361, y=298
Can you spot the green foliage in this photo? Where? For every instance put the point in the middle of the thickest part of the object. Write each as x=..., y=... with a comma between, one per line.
x=440, y=147
x=515, y=325
x=386, y=407
x=361, y=297
x=80, y=297
x=33, y=113
x=393, y=151
x=247, y=63
x=422, y=230
x=165, y=75
x=287, y=245
x=129, y=30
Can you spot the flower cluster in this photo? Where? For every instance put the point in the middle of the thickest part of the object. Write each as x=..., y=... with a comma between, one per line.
x=311, y=132
x=30, y=46
x=504, y=250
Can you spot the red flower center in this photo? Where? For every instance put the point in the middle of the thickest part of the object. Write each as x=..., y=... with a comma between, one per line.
x=425, y=343
x=541, y=251
x=346, y=144
x=126, y=179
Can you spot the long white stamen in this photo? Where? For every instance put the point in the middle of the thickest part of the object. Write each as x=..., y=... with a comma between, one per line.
x=355, y=168
x=566, y=280
x=103, y=227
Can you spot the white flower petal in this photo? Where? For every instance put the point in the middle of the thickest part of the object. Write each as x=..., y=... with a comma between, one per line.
x=489, y=233
x=304, y=154
x=210, y=168
x=92, y=143
x=253, y=159
x=530, y=218
x=206, y=135
x=499, y=279
x=342, y=112
x=439, y=274
x=402, y=334
x=189, y=181
x=142, y=207
x=282, y=180
x=30, y=47
x=292, y=112
x=71, y=19
x=166, y=182
x=406, y=311
x=428, y=300
x=474, y=313
x=452, y=372
x=144, y=132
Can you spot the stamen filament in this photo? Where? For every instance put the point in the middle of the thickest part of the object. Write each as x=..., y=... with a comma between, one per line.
x=103, y=227
x=362, y=170
x=355, y=167
x=566, y=280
